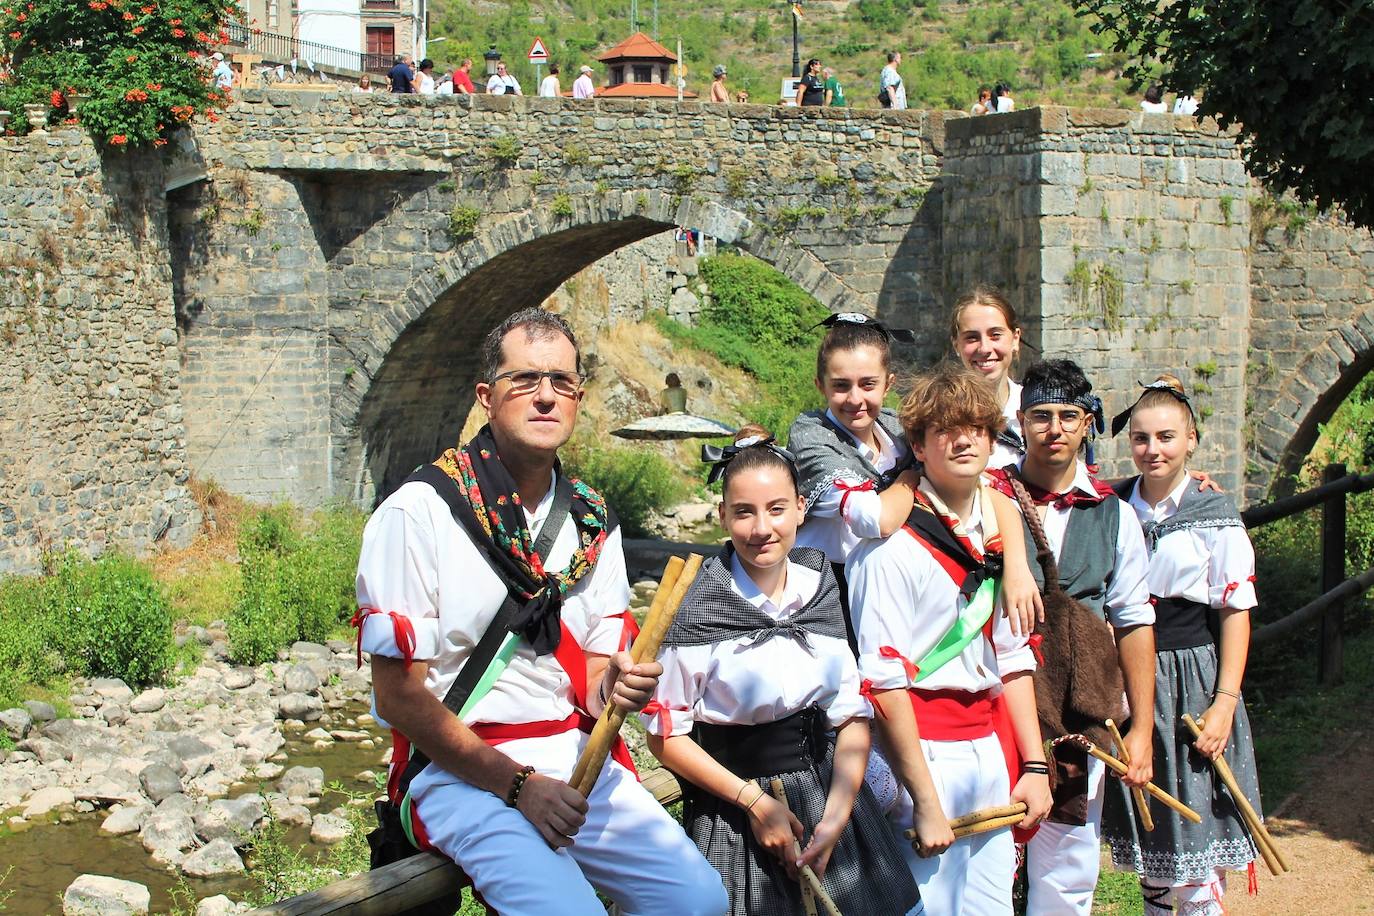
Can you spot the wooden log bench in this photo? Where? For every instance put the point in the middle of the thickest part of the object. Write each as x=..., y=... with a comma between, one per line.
x=413, y=881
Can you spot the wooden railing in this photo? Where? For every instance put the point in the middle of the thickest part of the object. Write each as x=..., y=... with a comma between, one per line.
x=427, y=877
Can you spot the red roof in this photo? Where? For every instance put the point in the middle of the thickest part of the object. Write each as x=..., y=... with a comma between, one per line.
x=639, y=46
x=641, y=91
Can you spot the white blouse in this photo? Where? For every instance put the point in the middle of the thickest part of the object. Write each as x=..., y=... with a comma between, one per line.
x=738, y=682
x=840, y=517
x=904, y=602
x=1212, y=566
x=1004, y=455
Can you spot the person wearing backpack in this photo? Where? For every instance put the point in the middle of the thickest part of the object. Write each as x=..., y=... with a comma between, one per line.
x=891, y=89
x=492, y=599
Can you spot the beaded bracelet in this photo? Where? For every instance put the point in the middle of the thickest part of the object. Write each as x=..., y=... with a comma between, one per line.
x=513, y=797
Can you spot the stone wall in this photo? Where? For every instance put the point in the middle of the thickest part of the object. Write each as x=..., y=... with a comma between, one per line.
x=1311, y=333
x=1123, y=235
x=92, y=444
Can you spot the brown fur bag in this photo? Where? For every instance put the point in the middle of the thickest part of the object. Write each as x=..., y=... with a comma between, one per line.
x=1078, y=684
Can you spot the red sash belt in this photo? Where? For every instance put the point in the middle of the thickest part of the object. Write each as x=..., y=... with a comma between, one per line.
x=954, y=715
x=495, y=733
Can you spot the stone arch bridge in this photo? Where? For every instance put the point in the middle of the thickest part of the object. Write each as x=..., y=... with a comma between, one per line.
x=310, y=275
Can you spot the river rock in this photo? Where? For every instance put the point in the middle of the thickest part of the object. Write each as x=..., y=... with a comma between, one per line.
x=300, y=706
x=44, y=800
x=97, y=895
x=195, y=755
x=42, y=712
x=301, y=679
x=200, y=635
x=46, y=750
x=159, y=781
x=303, y=650
x=218, y=857
x=112, y=689
x=329, y=829
x=16, y=723
x=231, y=819
x=239, y=678
x=219, y=905
x=288, y=812
x=167, y=831
x=149, y=700
x=180, y=803
x=302, y=782
x=114, y=713
x=268, y=770
x=316, y=734
x=129, y=819
x=220, y=650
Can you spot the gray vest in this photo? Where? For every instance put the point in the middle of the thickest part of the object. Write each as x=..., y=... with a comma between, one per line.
x=1087, y=560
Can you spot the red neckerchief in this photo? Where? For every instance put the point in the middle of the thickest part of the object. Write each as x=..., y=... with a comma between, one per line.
x=1042, y=497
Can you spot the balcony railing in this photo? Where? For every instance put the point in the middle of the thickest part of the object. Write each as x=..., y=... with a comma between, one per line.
x=282, y=49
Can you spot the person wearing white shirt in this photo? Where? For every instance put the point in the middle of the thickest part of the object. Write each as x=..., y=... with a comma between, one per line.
x=1102, y=562
x=502, y=83
x=1185, y=105
x=951, y=679
x=1154, y=100
x=425, y=77
x=1201, y=580
x=583, y=87
x=890, y=83
x=759, y=687
x=487, y=786
x=549, y=86
x=986, y=335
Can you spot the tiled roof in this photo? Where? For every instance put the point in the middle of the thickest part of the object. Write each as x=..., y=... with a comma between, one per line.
x=638, y=45
x=642, y=91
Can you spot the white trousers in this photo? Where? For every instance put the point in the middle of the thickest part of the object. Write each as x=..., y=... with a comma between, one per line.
x=974, y=876
x=1062, y=862
x=629, y=848
x=1200, y=898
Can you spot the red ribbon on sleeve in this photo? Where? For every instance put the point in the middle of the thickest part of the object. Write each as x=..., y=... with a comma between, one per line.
x=867, y=486
x=1034, y=642
x=664, y=713
x=629, y=629
x=403, y=631
x=866, y=691
x=907, y=664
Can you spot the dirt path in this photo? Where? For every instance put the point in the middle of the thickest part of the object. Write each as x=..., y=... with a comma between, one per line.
x=1327, y=831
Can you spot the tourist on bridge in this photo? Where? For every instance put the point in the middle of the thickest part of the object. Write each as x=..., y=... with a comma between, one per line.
x=950, y=679
x=984, y=104
x=223, y=74
x=891, y=89
x=549, y=86
x=1095, y=541
x=583, y=87
x=718, y=91
x=834, y=92
x=1201, y=580
x=811, y=87
x=425, y=77
x=400, y=77
x=759, y=689
x=1154, y=100
x=502, y=82
x=1002, y=102
x=462, y=78
x=492, y=563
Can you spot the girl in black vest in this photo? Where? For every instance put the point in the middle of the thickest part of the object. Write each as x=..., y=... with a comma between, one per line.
x=1201, y=579
x=759, y=683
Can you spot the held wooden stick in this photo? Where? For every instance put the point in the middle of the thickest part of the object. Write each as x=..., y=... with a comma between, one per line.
x=1120, y=768
x=992, y=823
x=1142, y=804
x=1269, y=850
x=981, y=821
x=807, y=894
x=646, y=644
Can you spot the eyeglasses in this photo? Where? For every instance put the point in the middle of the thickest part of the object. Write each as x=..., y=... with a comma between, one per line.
x=1069, y=420
x=525, y=381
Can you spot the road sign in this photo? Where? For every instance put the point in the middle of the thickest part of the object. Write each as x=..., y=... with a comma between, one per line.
x=538, y=53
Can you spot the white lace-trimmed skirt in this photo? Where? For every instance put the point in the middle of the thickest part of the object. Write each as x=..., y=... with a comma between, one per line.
x=1178, y=851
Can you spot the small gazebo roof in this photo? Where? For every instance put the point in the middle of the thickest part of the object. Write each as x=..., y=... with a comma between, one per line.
x=639, y=47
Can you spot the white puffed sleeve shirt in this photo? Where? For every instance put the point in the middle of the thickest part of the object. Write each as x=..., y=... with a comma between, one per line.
x=841, y=517
x=1211, y=566
x=417, y=562
x=742, y=682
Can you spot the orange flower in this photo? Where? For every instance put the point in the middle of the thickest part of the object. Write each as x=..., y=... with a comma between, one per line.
x=155, y=86
x=138, y=30
x=159, y=142
x=135, y=95
x=174, y=22
x=16, y=35
x=118, y=140
x=148, y=10
x=131, y=58
x=55, y=99
x=22, y=16
x=128, y=16
x=202, y=38
x=178, y=33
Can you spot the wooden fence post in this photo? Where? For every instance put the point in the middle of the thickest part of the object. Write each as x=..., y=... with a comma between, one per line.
x=1331, y=659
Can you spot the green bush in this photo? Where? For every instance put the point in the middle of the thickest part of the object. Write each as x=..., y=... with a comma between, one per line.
x=297, y=580
x=634, y=482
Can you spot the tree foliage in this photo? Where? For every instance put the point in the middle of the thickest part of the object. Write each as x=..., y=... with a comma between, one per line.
x=1292, y=77
x=141, y=65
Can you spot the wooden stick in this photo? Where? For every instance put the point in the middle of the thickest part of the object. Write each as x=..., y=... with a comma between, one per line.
x=807, y=894
x=660, y=617
x=1142, y=804
x=1120, y=768
x=981, y=821
x=1269, y=850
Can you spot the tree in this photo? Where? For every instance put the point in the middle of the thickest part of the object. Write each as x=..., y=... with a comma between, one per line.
x=1293, y=77
x=142, y=65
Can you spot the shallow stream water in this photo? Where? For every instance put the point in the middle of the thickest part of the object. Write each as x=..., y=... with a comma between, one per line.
x=45, y=858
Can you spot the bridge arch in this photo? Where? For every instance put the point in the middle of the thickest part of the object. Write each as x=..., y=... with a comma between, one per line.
x=407, y=389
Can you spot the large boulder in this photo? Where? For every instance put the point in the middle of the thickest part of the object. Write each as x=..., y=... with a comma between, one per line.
x=44, y=800
x=97, y=895
x=218, y=857
x=329, y=829
x=15, y=723
x=301, y=706
x=168, y=831
x=128, y=819
x=149, y=701
x=239, y=678
x=301, y=679
x=159, y=781
x=231, y=819
x=42, y=713
x=193, y=754
x=112, y=689
x=302, y=782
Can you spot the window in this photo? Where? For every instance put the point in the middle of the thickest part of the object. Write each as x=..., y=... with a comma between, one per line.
x=617, y=75
x=644, y=74
x=380, y=4
x=381, y=48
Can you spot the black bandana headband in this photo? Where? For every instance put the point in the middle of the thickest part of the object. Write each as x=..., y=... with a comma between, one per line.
x=1120, y=420
x=1049, y=394
x=719, y=458
x=901, y=335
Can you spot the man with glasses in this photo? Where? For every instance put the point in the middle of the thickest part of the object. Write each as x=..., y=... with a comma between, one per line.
x=492, y=597
x=503, y=83
x=1102, y=563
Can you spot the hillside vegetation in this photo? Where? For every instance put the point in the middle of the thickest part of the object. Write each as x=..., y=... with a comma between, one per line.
x=1039, y=47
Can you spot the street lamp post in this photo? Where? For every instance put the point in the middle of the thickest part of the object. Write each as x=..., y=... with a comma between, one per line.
x=492, y=57
x=796, y=41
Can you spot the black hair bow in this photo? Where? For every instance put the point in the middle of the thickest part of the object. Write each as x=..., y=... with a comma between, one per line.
x=1120, y=420
x=720, y=457
x=902, y=335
